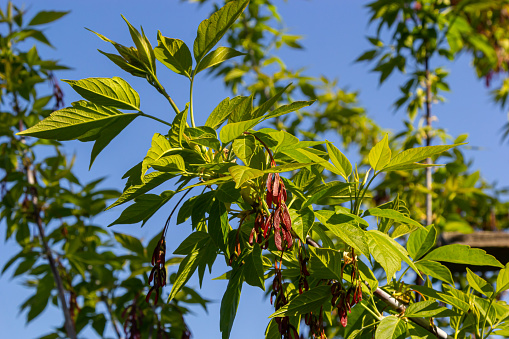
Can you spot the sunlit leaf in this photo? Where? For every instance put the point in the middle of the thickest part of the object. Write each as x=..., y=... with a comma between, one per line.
x=380, y=154
x=174, y=54
x=114, y=92
x=211, y=30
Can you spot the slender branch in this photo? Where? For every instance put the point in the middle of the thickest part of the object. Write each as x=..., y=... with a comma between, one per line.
x=161, y=90
x=356, y=212
x=68, y=322
x=191, y=101
x=397, y=305
x=112, y=318
x=486, y=318
x=429, y=179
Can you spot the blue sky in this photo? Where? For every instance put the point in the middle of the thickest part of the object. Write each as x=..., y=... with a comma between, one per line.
x=334, y=35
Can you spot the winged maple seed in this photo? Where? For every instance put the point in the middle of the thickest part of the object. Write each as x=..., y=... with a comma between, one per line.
x=315, y=324
x=303, y=283
x=158, y=273
x=279, y=219
x=134, y=317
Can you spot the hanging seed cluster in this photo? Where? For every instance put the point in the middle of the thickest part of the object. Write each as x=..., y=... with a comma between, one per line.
x=133, y=317
x=279, y=220
x=158, y=273
x=315, y=324
x=344, y=299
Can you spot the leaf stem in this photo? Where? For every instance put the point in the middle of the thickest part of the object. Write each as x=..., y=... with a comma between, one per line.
x=154, y=118
x=377, y=316
x=161, y=90
x=191, y=101
x=364, y=193
x=486, y=318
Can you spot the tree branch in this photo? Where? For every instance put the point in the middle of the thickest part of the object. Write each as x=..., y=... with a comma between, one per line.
x=68, y=322
x=112, y=318
x=396, y=305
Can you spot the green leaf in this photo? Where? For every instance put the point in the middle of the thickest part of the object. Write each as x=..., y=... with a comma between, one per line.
x=254, y=272
x=39, y=300
x=129, y=242
x=171, y=163
x=409, y=167
x=367, y=275
x=186, y=269
x=82, y=121
x=211, y=30
x=302, y=221
x=463, y=254
x=436, y=270
x=144, y=48
x=286, y=168
x=227, y=193
x=106, y=135
x=233, y=130
x=150, y=181
x=158, y=148
x=242, y=174
x=215, y=57
x=394, y=215
x=413, y=155
x=114, y=92
x=417, y=332
x=503, y=279
x=174, y=54
x=192, y=243
x=321, y=194
x=391, y=327
x=44, y=17
x=230, y=302
x=325, y=263
x=202, y=135
x=285, y=109
x=388, y=253
x=421, y=241
x=221, y=113
x=446, y=298
x=242, y=109
x=98, y=324
x=244, y=148
x=380, y=155
x=304, y=303
x=215, y=181
x=479, y=284
x=263, y=108
x=144, y=207
x=343, y=215
x=218, y=224
x=339, y=160
x=310, y=156
x=178, y=126
x=428, y=309
x=350, y=234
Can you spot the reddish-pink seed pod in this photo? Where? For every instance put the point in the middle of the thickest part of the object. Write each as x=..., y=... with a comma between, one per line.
x=275, y=190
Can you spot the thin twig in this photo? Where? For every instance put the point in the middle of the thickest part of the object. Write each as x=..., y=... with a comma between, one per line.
x=429, y=178
x=112, y=318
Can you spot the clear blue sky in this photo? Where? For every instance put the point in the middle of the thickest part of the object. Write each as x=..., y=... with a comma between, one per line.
x=334, y=34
